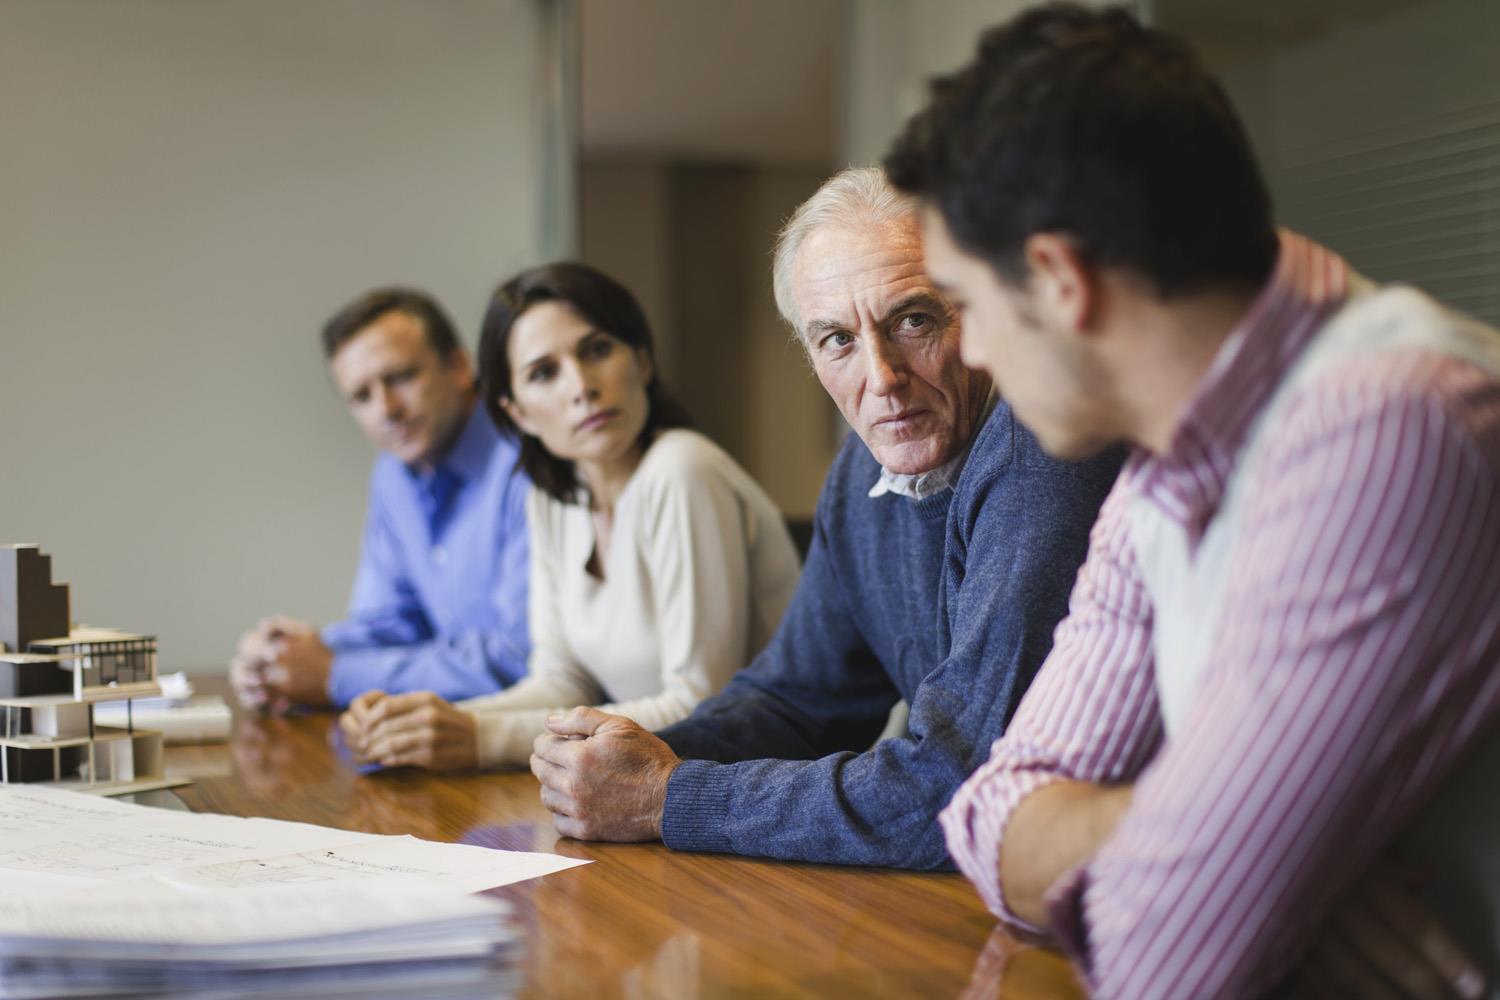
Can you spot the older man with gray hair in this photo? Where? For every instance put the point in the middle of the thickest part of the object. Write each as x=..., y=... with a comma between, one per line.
x=945, y=544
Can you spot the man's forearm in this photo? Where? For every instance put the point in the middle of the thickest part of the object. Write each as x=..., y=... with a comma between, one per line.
x=1055, y=829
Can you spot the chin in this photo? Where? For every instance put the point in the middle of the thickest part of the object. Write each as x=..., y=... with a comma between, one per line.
x=912, y=458
x=416, y=455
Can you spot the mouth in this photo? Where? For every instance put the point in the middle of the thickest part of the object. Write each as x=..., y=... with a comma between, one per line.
x=403, y=433
x=595, y=421
x=898, y=422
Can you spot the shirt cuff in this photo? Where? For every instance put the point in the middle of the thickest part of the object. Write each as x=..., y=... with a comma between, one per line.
x=974, y=825
x=697, y=807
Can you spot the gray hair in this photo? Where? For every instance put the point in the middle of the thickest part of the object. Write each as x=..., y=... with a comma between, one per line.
x=852, y=196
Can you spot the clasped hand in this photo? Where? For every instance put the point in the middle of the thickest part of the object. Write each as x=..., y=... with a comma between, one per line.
x=416, y=730
x=603, y=776
x=279, y=663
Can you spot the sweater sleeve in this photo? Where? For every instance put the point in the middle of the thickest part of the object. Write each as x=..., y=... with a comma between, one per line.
x=1025, y=528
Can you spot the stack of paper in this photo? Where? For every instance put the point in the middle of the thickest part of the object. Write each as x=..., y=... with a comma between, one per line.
x=103, y=898
x=351, y=940
x=179, y=715
x=200, y=719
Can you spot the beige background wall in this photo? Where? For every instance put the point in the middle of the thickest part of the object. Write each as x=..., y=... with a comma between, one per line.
x=187, y=191
x=693, y=241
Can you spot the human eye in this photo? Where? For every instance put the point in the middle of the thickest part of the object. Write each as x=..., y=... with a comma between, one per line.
x=599, y=347
x=916, y=322
x=541, y=373
x=402, y=375
x=835, y=341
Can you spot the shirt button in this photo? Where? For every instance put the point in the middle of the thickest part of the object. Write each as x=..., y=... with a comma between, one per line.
x=439, y=555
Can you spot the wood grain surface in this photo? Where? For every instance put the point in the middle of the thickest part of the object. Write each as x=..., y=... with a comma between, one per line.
x=642, y=921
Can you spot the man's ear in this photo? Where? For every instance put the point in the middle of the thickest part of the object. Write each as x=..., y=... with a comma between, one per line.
x=516, y=415
x=1063, y=284
x=460, y=366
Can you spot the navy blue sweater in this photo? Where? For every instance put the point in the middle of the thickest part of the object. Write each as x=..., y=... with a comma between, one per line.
x=948, y=602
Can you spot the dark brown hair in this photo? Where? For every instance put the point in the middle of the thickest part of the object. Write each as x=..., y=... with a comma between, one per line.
x=374, y=304
x=602, y=301
x=1082, y=121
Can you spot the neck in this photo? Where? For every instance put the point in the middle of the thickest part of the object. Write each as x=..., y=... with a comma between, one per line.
x=1165, y=365
x=607, y=480
x=430, y=462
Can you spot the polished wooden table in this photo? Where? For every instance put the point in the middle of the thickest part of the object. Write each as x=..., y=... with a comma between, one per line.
x=641, y=921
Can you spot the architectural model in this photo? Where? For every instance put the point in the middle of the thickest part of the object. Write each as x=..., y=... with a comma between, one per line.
x=51, y=676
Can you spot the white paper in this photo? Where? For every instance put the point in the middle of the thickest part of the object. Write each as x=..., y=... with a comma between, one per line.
x=25, y=809
x=50, y=832
x=149, y=841
x=38, y=885
x=458, y=866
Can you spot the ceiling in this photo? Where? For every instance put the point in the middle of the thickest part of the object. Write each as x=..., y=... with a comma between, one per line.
x=721, y=80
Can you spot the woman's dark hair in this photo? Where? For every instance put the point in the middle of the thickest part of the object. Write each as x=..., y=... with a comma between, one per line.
x=602, y=301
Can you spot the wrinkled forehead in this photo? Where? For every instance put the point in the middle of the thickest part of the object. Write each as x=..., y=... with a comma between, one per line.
x=846, y=274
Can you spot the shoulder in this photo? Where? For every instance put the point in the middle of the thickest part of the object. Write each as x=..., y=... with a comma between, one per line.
x=1008, y=464
x=504, y=447
x=682, y=453
x=1410, y=410
x=853, y=472
x=682, y=467
x=682, y=460
x=502, y=457
x=1397, y=362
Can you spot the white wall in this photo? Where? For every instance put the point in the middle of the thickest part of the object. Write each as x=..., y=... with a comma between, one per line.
x=187, y=191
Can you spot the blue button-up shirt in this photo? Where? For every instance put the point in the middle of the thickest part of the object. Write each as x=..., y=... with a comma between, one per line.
x=439, y=600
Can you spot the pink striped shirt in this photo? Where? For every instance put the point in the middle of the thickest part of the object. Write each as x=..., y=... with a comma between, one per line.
x=1355, y=660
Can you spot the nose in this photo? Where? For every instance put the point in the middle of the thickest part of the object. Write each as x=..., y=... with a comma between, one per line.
x=885, y=367
x=579, y=385
x=387, y=403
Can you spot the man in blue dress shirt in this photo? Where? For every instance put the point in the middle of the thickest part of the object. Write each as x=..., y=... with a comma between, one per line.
x=439, y=600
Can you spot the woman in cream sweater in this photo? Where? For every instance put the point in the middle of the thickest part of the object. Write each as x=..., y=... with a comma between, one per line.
x=658, y=566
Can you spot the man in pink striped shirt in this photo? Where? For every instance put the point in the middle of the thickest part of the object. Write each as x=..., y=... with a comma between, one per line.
x=1278, y=674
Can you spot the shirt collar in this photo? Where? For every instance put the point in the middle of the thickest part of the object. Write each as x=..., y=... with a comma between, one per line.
x=1308, y=284
x=921, y=485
